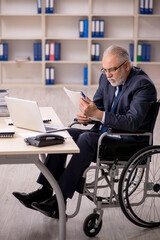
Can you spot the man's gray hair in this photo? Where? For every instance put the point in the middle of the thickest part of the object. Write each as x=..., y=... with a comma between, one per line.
x=120, y=52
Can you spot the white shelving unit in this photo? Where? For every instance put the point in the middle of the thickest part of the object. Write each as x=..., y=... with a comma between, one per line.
x=21, y=26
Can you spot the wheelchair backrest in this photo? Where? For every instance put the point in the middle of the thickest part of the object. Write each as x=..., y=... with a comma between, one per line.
x=153, y=112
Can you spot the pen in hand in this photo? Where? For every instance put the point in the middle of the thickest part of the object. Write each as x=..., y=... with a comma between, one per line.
x=83, y=95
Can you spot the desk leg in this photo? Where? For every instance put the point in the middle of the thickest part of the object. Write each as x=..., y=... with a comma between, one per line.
x=61, y=205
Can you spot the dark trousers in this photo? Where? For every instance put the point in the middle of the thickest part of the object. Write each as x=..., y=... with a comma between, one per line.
x=68, y=178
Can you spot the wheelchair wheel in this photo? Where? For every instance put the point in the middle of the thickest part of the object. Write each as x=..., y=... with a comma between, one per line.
x=142, y=205
x=89, y=226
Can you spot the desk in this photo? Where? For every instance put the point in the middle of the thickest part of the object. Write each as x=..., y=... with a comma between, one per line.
x=15, y=151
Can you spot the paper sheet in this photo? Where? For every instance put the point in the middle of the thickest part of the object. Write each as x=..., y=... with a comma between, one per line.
x=74, y=97
x=7, y=130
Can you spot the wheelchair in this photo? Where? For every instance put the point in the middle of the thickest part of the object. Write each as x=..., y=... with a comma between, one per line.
x=126, y=176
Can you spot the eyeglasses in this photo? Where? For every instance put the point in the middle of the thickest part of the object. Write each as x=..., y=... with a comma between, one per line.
x=112, y=70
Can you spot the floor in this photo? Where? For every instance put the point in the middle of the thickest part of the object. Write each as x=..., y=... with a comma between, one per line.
x=20, y=223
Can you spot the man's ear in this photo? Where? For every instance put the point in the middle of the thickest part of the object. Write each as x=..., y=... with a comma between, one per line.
x=128, y=66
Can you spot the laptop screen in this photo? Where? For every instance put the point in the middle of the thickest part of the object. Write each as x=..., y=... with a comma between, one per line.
x=25, y=114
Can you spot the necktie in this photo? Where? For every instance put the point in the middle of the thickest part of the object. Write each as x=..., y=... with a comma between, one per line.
x=104, y=129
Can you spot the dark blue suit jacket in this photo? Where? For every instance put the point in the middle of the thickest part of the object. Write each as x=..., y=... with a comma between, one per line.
x=131, y=113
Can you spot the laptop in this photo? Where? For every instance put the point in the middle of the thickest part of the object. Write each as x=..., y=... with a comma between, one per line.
x=26, y=114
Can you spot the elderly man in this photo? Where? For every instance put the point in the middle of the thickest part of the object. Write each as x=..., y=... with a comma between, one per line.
x=122, y=101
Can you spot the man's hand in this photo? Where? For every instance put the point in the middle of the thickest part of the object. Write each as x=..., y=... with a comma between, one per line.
x=89, y=109
x=82, y=118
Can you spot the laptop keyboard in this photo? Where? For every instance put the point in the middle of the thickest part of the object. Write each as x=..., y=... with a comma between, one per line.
x=53, y=128
x=49, y=128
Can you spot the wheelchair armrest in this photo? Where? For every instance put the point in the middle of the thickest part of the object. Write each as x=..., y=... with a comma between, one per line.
x=119, y=132
x=75, y=121
x=124, y=133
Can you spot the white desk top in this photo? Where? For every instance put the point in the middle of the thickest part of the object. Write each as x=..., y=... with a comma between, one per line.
x=16, y=145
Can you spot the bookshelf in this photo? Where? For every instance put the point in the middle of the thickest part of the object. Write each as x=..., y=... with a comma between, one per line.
x=21, y=26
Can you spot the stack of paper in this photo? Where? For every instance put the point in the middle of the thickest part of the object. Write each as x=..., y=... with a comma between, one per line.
x=3, y=107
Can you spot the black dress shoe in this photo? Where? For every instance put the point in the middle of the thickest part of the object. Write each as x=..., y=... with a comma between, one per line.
x=48, y=207
x=39, y=195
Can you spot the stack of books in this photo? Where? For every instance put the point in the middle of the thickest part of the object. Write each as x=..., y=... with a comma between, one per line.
x=131, y=51
x=50, y=75
x=83, y=28
x=143, y=52
x=37, y=49
x=146, y=6
x=49, y=8
x=95, y=52
x=39, y=6
x=97, y=28
x=3, y=107
x=3, y=51
x=52, y=51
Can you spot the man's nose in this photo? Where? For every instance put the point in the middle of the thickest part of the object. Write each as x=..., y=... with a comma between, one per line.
x=109, y=74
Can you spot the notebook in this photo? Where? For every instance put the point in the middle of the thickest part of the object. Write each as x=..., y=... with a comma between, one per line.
x=6, y=133
x=26, y=114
